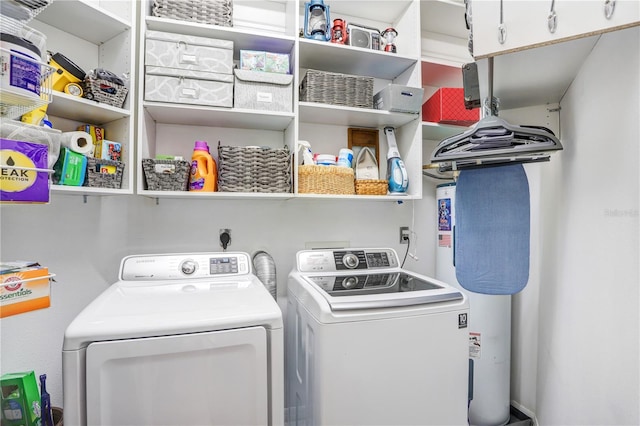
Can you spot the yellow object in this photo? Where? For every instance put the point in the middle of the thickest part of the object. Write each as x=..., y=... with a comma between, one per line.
x=66, y=72
x=35, y=116
x=73, y=89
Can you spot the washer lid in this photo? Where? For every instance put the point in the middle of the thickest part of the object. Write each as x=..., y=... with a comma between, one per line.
x=159, y=308
x=381, y=290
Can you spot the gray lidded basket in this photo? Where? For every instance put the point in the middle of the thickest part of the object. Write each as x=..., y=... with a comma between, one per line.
x=253, y=169
x=175, y=176
x=96, y=179
x=337, y=89
x=216, y=12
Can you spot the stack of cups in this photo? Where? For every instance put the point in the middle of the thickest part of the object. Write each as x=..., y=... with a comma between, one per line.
x=265, y=269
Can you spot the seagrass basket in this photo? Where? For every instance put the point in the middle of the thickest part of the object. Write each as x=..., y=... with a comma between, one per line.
x=254, y=169
x=104, y=91
x=371, y=186
x=98, y=175
x=325, y=180
x=216, y=12
x=166, y=175
x=337, y=89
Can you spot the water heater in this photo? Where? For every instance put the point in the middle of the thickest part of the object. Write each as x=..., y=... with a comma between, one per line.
x=489, y=328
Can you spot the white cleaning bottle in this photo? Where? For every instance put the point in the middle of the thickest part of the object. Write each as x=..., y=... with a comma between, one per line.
x=396, y=171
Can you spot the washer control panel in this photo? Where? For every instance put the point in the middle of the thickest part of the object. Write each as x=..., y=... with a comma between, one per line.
x=346, y=259
x=184, y=266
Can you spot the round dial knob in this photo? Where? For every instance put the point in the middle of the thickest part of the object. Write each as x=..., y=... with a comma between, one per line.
x=349, y=282
x=188, y=267
x=350, y=260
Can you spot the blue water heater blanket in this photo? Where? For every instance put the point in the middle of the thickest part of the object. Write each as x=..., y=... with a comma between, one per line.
x=492, y=228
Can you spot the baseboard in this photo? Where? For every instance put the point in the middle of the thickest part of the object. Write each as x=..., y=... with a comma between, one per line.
x=517, y=408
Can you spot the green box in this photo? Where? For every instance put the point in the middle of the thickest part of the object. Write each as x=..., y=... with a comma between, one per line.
x=20, y=399
x=70, y=169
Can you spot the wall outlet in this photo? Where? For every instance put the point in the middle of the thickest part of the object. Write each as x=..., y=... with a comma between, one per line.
x=404, y=235
x=225, y=238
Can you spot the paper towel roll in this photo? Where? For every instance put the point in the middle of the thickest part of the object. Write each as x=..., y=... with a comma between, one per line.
x=79, y=142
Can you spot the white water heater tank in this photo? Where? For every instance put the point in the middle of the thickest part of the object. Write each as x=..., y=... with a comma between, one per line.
x=489, y=327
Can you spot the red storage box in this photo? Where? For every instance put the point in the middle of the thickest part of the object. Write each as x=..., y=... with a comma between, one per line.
x=446, y=106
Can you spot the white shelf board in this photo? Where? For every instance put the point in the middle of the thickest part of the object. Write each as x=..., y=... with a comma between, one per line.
x=195, y=115
x=393, y=198
x=312, y=112
x=242, y=39
x=537, y=76
x=81, y=109
x=437, y=132
x=374, y=10
x=326, y=56
x=83, y=20
x=216, y=195
x=86, y=190
x=444, y=17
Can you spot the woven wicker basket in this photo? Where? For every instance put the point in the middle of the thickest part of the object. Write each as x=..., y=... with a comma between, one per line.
x=325, y=180
x=253, y=169
x=97, y=179
x=216, y=12
x=337, y=89
x=371, y=187
x=166, y=175
x=104, y=91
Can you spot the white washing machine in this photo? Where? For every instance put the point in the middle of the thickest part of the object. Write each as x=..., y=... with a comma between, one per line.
x=180, y=339
x=369, y=343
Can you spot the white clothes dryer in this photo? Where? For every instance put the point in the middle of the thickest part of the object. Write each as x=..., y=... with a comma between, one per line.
x=369, y=343
x=180, y=339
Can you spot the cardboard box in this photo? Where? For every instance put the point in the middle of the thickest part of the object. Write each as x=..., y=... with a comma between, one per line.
x=18, y=184
x=20, y=399
x=111, y=151
x=263, y=90
x=97, y=136
x=70, y=169
x=446, y=106
x=23, y=290
x=258, y=60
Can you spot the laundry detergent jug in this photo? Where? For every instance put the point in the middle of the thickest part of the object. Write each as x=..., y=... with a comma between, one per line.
x=204, y=172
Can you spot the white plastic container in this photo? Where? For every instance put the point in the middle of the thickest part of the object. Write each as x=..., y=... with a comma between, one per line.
x=20, y=82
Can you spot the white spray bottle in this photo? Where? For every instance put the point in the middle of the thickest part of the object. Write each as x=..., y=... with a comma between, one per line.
x=396, y=171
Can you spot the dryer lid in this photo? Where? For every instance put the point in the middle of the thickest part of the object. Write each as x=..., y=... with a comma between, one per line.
x=163, y=308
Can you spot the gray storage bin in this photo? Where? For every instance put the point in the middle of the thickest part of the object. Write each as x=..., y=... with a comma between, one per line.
x=188, y=52
x=398, y=98
x=263, y=90
x=188, y=87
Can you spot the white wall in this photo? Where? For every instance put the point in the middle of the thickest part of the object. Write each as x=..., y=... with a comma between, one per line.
x=83, y=243
x=587, y=356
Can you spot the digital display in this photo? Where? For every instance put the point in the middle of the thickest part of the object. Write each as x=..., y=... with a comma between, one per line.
x=223, y=265
x=376, y=260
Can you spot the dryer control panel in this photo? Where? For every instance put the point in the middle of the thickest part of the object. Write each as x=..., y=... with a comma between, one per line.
x=346, y=259
x=154, y=267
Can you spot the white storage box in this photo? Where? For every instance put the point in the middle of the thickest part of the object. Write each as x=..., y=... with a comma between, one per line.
x=189, y=52
x=188, y=87
x=263, y=90
x=399, y=98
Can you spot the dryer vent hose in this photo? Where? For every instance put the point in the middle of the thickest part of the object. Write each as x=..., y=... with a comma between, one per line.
x=265, y=269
